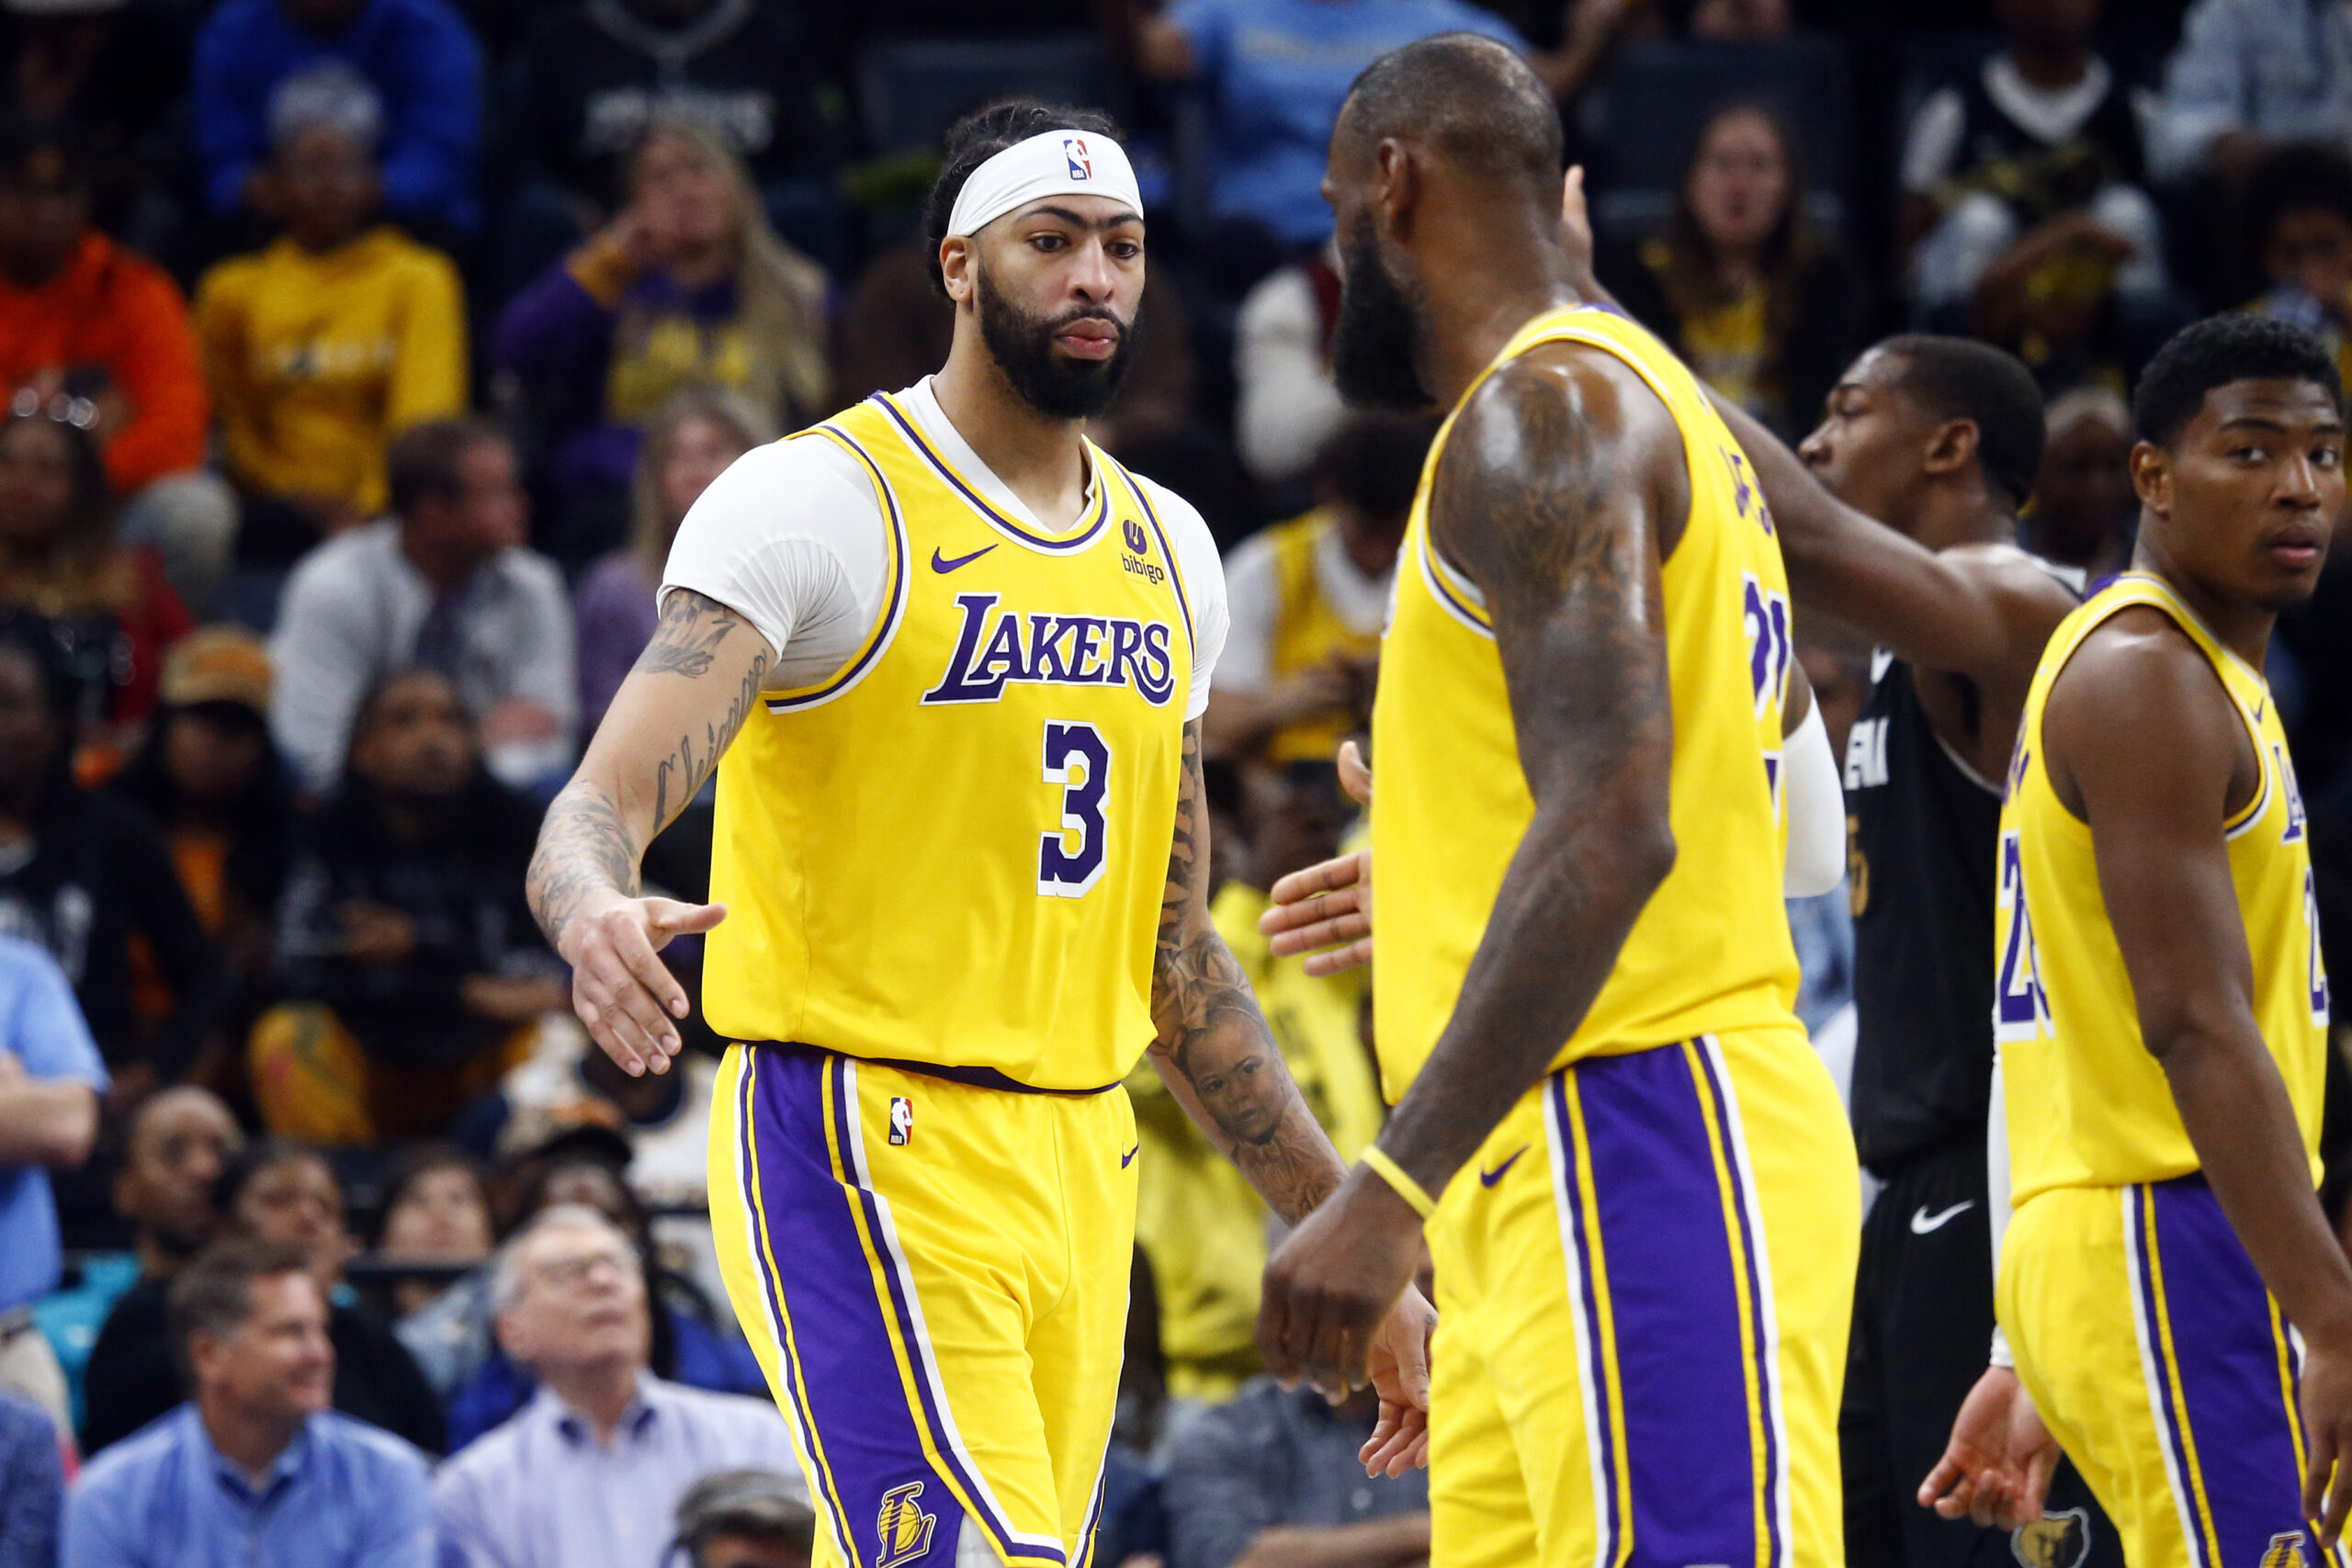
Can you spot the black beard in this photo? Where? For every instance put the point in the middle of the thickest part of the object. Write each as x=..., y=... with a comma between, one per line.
x=1023, y=346
x=1373, y=339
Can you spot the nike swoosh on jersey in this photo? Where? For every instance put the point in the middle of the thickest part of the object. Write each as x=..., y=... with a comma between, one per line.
x=943, y=565
x=1923, y=1222
x=1129, y=1159
x=1488, y=1177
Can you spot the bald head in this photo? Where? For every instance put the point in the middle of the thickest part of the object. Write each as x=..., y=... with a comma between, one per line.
x=1472, y=101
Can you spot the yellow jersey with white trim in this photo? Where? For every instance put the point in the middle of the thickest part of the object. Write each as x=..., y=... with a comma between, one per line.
x=1711, y=951
x=2087, y=1105
x=951, y=852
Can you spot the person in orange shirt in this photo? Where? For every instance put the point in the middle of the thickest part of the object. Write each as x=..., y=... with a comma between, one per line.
x=96, y=336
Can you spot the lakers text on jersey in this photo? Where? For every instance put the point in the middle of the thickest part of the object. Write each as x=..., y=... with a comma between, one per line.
x=944, y=867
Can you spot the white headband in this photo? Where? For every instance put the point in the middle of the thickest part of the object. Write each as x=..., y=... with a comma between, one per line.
x=1057, y=163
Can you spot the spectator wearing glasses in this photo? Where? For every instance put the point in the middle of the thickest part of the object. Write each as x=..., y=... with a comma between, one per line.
x=589, y=1474
x=93, y=334
x=254, y=1469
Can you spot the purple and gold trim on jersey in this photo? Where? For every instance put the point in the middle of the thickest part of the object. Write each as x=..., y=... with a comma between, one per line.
x=1081, y=534
x=897, y=1482
x=1676, y=1347
x=1453, y=590
x=894, y=603
x=1151, y=515
x=2221, y=1367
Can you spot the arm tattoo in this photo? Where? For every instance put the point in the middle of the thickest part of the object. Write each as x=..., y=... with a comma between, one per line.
x=583, y=846
x=692, y=628
x=1554, y=495
x=681, y=772
x=587, y=844
x=1214, y=1045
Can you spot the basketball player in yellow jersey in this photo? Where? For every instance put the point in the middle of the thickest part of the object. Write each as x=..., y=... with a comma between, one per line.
x=954, y=658
x=2179, y=1313
x=1635, y=1175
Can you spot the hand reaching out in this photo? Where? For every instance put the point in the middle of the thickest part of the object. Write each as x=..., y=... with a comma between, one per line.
x=1329, y=905
x=1996, y=1467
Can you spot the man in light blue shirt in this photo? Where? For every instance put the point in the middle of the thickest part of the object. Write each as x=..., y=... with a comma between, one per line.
x=255, y=1471
x=51, y=1078
x=2248, y=75
x=1275, y=72
x=588, y=1474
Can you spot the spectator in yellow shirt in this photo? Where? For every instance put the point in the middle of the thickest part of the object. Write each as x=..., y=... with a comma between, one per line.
x=322, y=348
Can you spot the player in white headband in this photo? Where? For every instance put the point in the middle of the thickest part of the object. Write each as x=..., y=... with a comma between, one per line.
x=956, y=657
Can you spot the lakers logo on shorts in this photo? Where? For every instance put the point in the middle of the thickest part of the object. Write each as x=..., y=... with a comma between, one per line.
x=2054, y=1541
x=2286, y=1551
x=904, y=1527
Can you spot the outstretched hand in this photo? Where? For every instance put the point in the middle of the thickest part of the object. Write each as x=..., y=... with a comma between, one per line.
x=620, y=988
x=1328, y=905
x=1996, y=1468
x=1400, y=1368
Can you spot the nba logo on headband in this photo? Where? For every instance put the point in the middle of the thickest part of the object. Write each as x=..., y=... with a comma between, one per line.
x=1081, y=167
x=1052, y=163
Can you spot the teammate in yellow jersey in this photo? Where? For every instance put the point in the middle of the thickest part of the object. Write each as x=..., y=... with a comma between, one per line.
x=2179, y=1313
x=1585, y=974
x=954, y=657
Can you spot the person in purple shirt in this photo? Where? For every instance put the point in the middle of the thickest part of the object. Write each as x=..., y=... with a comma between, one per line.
x=418, y=56
x=687, y=286
x=698, y=432
x=254, y=1471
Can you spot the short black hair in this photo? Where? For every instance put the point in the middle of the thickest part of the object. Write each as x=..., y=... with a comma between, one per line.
x=214, y=1290
x=1476, y=99
x=1958, y=378
x=260, y=1155
x=2298, y=175
x=2236, y=346
x=424, y=462
x=1373, y=462
x=981, y=135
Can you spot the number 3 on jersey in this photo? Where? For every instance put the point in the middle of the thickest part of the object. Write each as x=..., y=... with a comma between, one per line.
x=1078, y=758
x=2020, y=1007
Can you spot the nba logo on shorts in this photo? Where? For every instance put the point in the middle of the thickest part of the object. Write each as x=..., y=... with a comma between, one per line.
x=904, y=1527
x=902, y=1125
x=1081, y=167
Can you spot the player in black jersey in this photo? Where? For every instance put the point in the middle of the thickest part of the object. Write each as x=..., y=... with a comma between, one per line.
x=1937, y=439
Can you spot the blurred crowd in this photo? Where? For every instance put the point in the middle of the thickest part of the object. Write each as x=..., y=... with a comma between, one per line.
x=361, y=359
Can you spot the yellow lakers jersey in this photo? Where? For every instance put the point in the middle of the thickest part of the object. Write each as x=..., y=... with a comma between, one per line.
x=1711, y=951
x=2087, y=1105
x=1308, y=632
x=953, y=851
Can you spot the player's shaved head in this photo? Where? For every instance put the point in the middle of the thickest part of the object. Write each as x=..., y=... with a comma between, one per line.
x=1474, y=101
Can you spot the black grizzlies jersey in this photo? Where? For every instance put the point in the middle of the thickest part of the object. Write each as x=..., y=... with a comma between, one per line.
x=1924, y=829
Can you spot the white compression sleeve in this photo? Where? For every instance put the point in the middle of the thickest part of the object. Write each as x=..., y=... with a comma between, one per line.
x=1816, y=804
